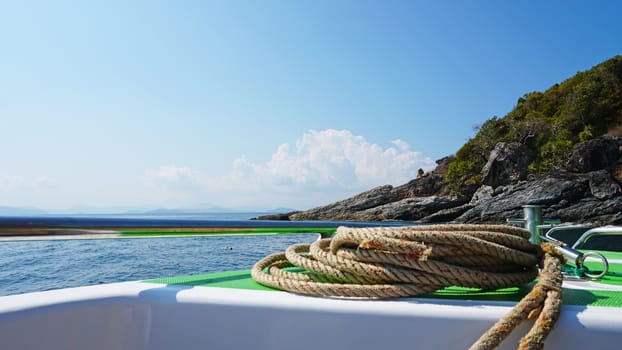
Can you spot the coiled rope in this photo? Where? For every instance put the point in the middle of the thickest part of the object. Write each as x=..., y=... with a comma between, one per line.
x=387, y=262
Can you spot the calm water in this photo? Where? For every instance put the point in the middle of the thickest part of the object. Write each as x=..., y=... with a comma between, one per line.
x=27, y=266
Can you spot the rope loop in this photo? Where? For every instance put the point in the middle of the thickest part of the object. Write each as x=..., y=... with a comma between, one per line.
x=388, y=262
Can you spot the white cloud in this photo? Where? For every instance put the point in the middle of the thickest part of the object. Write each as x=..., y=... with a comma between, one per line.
x=171, y=173
x=42, y=181
x=10, y=182
x=339, y=158
x=14, y=182
x=322, y=166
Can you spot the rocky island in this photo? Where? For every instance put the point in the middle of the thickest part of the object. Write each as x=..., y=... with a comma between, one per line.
x=561, y=149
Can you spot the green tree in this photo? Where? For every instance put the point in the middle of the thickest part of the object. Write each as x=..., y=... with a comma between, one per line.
x=548, y=123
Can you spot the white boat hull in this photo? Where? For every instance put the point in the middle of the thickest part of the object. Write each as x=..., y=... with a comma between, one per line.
x=136, y=315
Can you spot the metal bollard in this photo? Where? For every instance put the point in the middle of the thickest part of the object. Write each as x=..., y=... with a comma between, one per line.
x=533, y=221
x=533, y=218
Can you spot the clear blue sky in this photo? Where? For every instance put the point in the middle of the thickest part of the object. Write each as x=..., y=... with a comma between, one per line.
x=261, y=104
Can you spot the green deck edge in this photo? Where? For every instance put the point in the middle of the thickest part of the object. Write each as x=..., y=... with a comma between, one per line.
x=242, y=280
x=228, y=231
x=609, y=255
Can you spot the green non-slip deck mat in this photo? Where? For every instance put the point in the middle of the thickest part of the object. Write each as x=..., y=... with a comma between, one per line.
x=570, y=296
x=225, y=231
x=611, y=255
x=243, y=280
x=240, y=279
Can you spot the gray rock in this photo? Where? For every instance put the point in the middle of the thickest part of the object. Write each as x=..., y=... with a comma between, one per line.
x=278, y=217
x=482, y=194
x=507, y=163
x=603, y=185
x=409, y=209
x=345, y=209
x=596, y=154
x=446, y=215
x=565, y=196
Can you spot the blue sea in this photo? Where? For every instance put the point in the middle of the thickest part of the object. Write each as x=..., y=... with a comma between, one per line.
x=28, y=266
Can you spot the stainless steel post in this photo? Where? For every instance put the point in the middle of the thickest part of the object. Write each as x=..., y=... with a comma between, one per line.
x=533, y=219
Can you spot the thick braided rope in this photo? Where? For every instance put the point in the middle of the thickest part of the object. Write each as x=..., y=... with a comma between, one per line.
x=382, y=262
x=386, y=262
x=543, y=302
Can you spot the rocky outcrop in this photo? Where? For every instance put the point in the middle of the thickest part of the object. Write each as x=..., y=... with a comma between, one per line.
x=345, y=209
x=408, y=209
x=572, y=197
x=588, y=190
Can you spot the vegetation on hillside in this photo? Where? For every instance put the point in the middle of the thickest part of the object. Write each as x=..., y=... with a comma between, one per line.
x=548, y=124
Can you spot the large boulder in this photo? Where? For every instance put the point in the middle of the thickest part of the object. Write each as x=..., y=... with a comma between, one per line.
x=426, y=185
x=507, y=163
x=596, y=154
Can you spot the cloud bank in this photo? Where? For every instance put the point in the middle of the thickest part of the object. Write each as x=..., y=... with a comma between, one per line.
x=14, y=182
x=321, y=166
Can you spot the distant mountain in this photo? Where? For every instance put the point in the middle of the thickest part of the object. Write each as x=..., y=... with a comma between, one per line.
x=279, y=210
x=167, y=211
x=192, y=210
x=212, y=209
x=93, y=210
